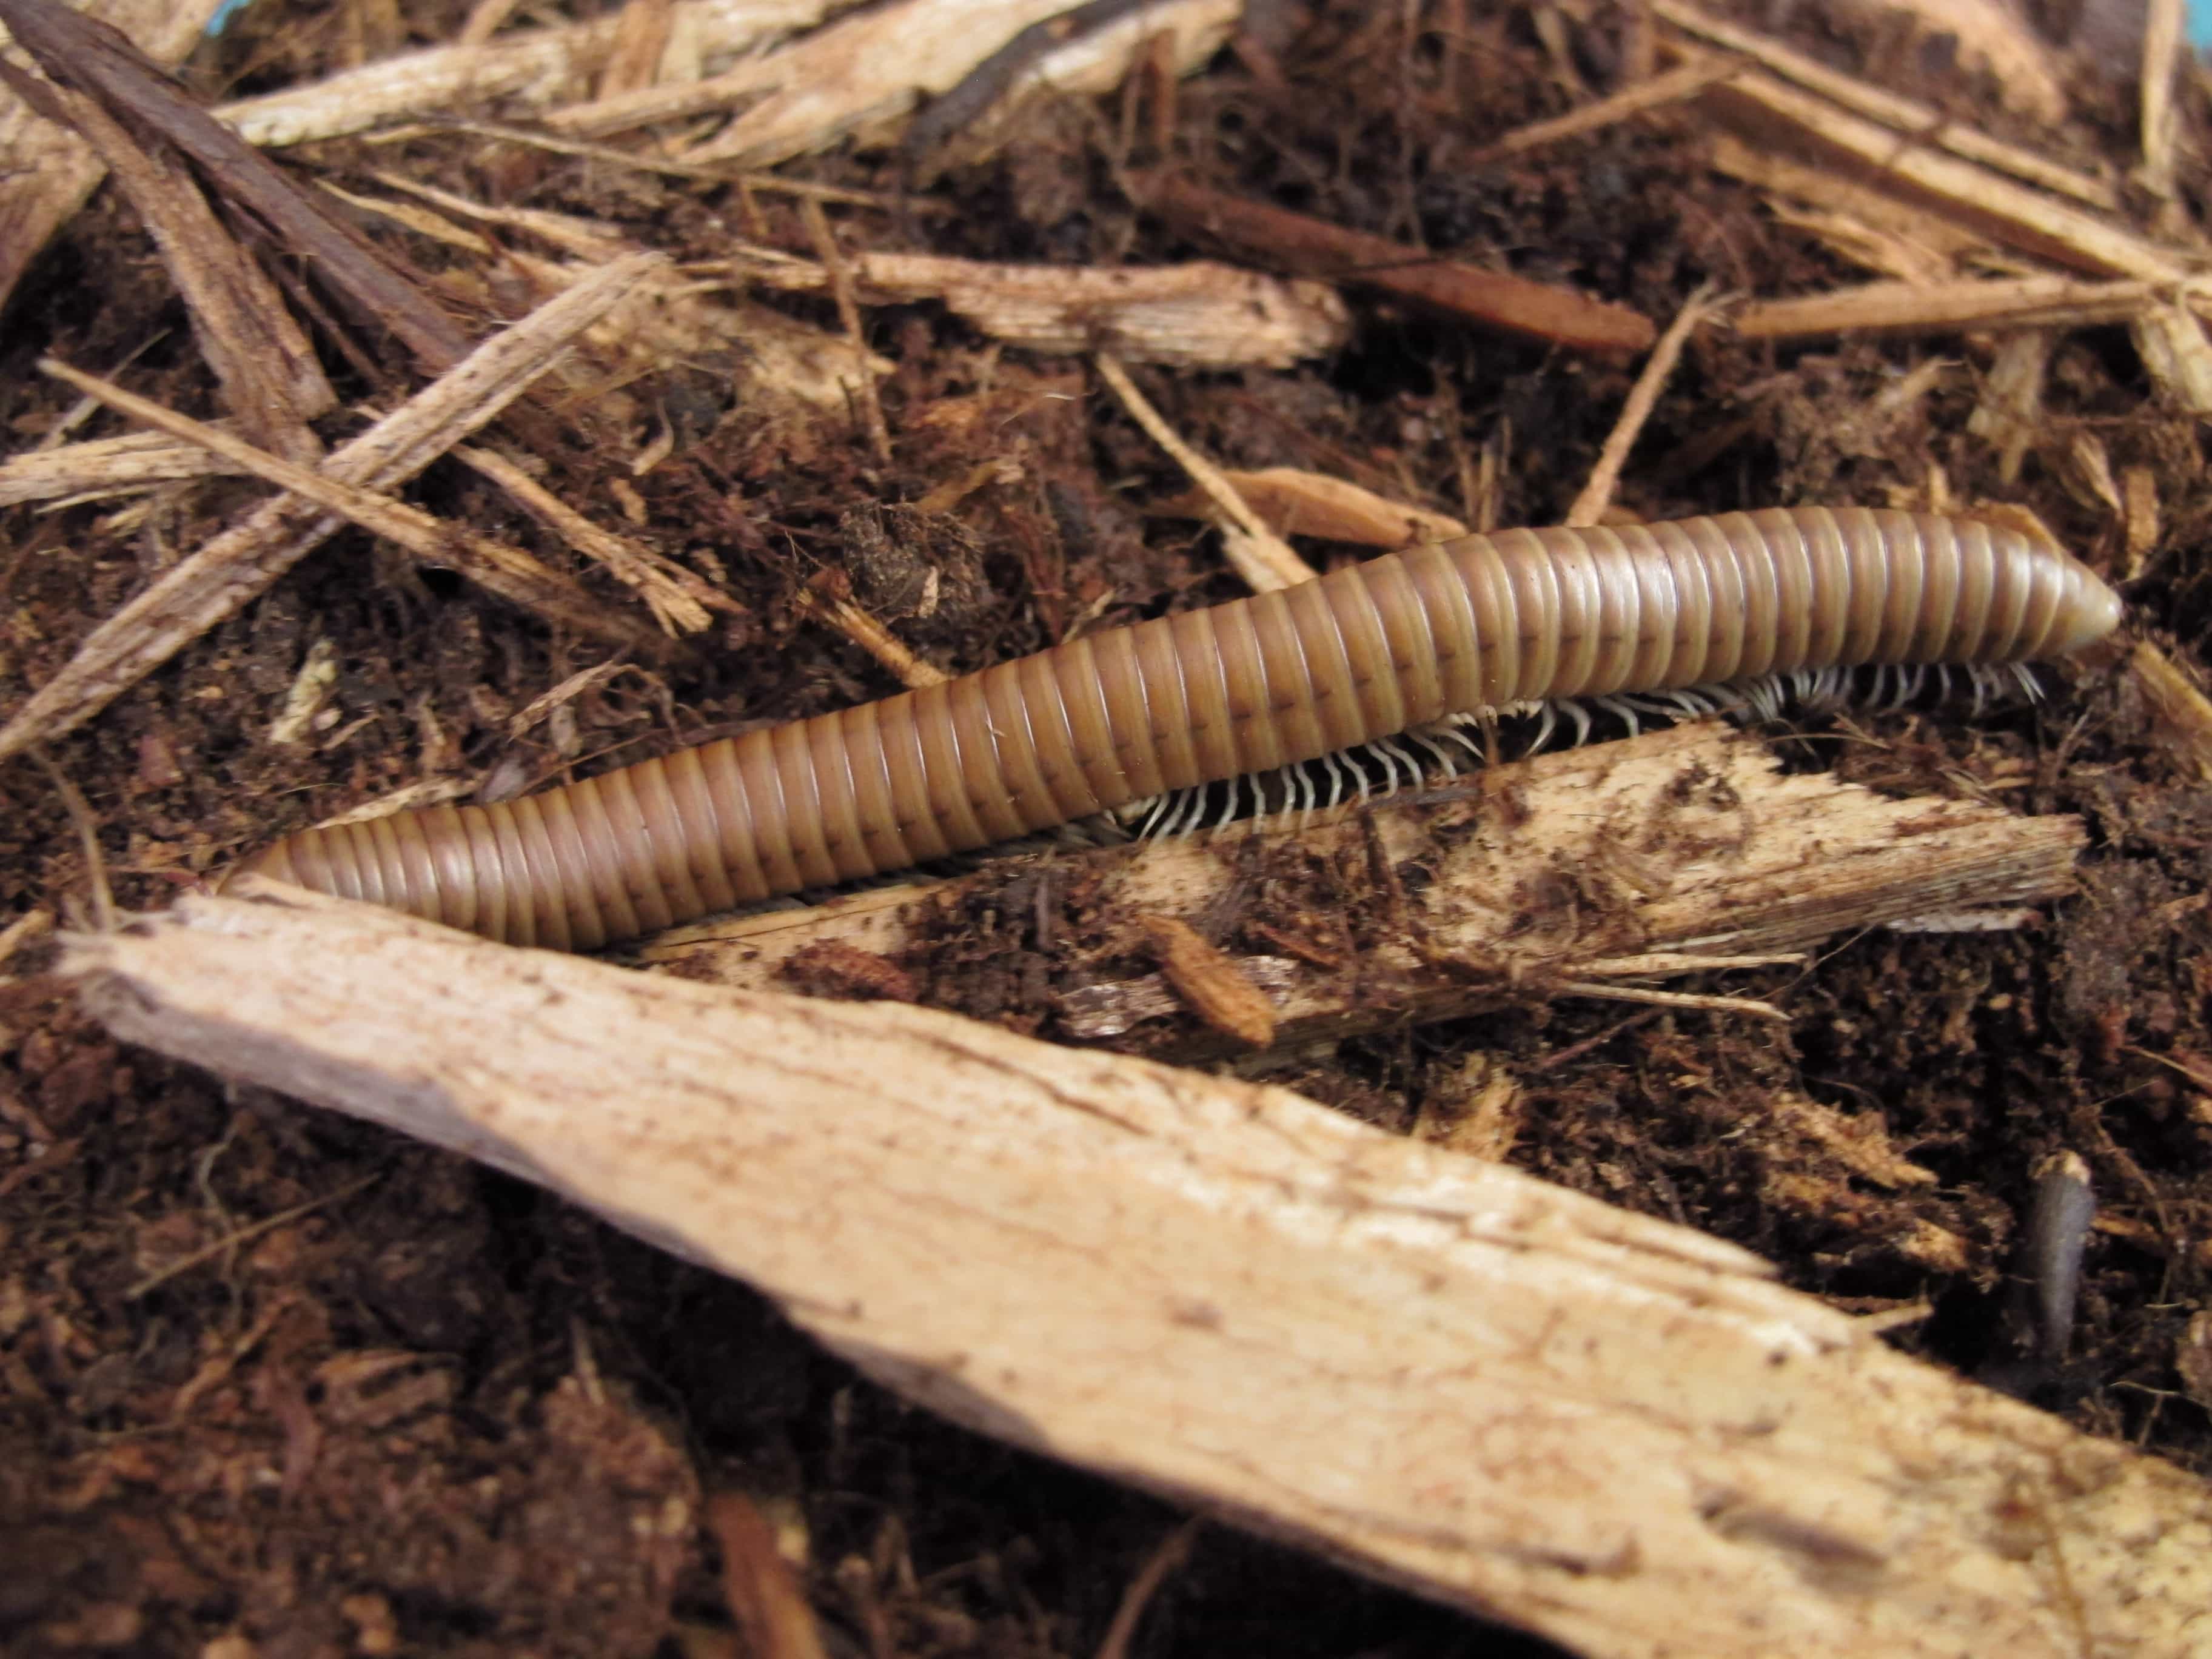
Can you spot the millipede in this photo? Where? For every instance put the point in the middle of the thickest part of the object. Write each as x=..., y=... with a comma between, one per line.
x=1391, y=646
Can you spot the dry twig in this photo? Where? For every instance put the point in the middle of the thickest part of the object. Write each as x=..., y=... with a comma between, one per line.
x=862, y=627
x=1675, y=87
x=679, y=600
x=840, y=273
x=1901, y=115
x=504, y=569
x=1973, y=306
x=1262, y=558
x=1598, y=494
x=1296, y=502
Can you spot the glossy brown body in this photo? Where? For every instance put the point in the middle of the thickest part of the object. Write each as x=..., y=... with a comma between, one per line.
x=1399, y=641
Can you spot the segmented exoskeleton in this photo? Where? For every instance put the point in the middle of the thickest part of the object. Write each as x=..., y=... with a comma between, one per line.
x=1248, y=687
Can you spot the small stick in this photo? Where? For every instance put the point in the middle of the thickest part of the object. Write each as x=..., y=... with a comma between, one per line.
x=2161, y=49
x=1685, y=961
x=1263, y=559
x=2010, y=303
x=1672, y=999
x=839, y=272
x=231, y=1240
x=504, y=569
x=1314, y=247
x=1929, y=125
x=871, y=636
x=641, y=161
x=87, y=835
x=1971, y=195
x=1598, y=494
x=1672, y=87
x=241, y=562
x=678, y=599
x=1170, y=1554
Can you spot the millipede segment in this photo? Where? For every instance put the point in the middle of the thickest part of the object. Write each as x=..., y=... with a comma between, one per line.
x=1242, y=688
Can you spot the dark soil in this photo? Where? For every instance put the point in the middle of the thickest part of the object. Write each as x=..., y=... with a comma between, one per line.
x=273, y=1383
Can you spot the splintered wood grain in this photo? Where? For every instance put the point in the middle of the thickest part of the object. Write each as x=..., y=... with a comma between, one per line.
x=1606, y=1429
x=47, y=171
x=1685, y=845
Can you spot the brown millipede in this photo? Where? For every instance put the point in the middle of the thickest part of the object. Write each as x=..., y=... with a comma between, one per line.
x=1378, y=648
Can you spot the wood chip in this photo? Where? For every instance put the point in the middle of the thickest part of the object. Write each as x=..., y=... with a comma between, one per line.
x=503, y=568
x=528, y=70
x=272, y=385
x=1209, y=982
x=860, y=74
x=1199, y=315
x=1606, y=1429
x=106, y=466
x=95, y=59
x=1296, y=502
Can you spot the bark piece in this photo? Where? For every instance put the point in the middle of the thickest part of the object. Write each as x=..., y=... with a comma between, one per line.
x=1606, y=1429
x=271, y=384
x=500, y=566
x=1314, y=247
x=96, y=58
x=46, y=172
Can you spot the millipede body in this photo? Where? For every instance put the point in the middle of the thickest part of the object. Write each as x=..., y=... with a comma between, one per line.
x=1273, y=680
